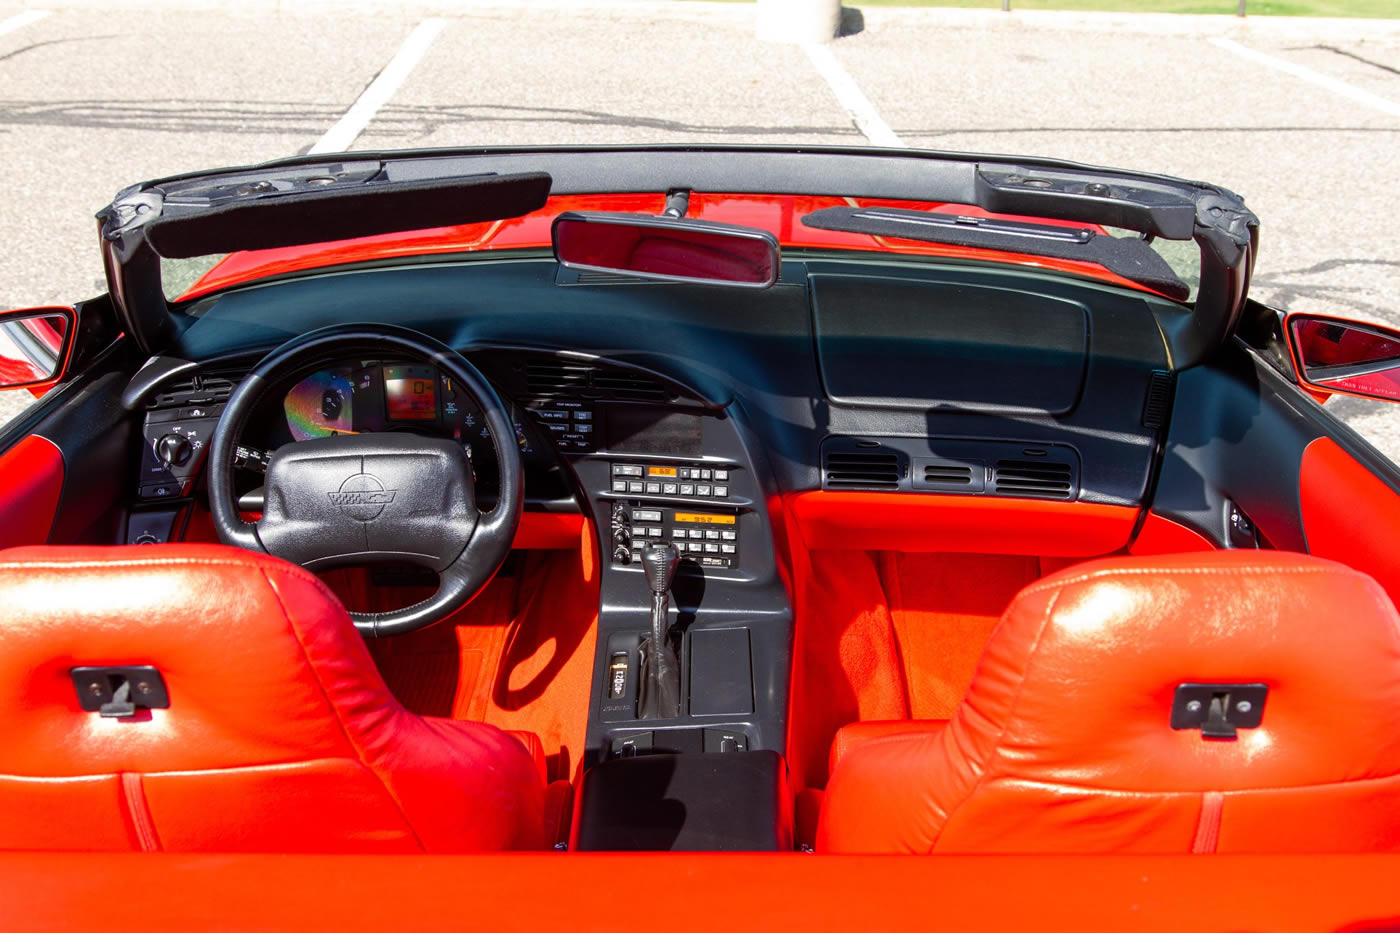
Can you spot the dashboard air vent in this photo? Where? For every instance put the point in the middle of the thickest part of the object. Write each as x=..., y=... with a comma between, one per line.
x=1159, y=400
x=631, y=386
x=557, y=378
x=581, y=380
x=864, y=469
x=1034, y=479
x=197, y=390
x=948, y=474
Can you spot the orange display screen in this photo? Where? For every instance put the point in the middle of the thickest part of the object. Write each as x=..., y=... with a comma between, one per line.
x=661, y=471
x=410, y=393
x=704, y=519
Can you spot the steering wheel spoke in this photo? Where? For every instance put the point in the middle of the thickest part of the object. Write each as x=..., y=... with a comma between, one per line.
x=371, y=498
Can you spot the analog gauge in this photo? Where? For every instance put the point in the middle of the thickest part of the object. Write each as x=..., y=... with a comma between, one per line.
x=320, y=405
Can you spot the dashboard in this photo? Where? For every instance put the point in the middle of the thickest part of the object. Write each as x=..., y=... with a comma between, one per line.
x=895, y=379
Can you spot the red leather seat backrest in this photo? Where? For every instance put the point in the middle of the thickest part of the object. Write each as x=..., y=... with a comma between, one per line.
x=280, y=735
x=1063, y=741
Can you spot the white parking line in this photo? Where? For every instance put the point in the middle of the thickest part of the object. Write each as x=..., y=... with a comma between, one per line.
x=848, y=93
x=20, y=20
x=1375, y=101
x=381, y=89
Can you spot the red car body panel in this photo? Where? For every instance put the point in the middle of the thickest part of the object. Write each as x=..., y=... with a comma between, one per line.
x=779, y=214
x=761, y=892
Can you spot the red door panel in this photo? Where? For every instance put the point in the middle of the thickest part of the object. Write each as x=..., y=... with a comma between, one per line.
x=1349, y=515
x=31, y=479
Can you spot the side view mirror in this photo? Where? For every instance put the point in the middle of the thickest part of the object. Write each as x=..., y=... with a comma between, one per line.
x=34, y=346
x=667, y=248
x=1336, y=355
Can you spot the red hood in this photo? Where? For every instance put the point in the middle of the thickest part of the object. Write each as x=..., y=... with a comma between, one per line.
x=779, y=214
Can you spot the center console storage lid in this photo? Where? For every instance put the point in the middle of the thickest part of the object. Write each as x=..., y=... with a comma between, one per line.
x=715, y=802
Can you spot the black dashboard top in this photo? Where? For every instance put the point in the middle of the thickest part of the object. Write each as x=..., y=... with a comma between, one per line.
x=541, y=333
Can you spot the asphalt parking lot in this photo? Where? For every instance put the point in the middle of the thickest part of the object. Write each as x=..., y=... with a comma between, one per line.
x=1302, y=118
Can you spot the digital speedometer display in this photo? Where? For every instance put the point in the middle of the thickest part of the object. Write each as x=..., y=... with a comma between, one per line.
x=410, y=393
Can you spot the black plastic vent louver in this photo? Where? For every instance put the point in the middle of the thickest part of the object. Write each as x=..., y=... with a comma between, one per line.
x=1038, y=479
x=862, y=469
x=1159, y=400
x=557, y=378
x=631, y=386
x=197, y=390
x=547, y=380
x=948, y=474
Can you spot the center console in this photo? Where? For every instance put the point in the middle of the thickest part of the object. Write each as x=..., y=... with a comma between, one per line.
x=689, y=757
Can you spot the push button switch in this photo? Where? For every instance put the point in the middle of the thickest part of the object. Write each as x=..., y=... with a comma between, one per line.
x=726, y=740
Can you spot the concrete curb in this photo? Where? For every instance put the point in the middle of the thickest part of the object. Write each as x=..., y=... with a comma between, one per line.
x=1157, y=24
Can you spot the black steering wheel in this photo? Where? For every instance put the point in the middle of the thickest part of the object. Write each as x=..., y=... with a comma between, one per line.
x=373, y=498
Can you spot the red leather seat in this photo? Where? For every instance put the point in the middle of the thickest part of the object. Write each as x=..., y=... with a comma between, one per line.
x=280, y=735
x=1063, y=742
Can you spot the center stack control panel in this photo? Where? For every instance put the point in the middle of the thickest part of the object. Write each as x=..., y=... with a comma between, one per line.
x=684, y=504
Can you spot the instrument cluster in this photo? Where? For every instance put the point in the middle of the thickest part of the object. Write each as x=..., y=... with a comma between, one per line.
x=363, y=396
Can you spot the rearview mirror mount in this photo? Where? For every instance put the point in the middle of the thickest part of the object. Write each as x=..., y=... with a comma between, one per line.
x=1335, y=355
x=35, y=344
x=667, y=249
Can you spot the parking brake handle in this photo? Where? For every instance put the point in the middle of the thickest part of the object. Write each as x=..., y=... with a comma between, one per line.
x=660, y=695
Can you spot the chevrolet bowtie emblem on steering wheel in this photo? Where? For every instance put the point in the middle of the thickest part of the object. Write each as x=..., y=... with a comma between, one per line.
x=362, y=497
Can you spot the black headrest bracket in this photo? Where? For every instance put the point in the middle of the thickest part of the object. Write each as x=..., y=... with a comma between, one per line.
x=1218, y=710
x=118, y=692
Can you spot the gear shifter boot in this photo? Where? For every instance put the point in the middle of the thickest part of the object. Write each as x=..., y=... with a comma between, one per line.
x=660, y=682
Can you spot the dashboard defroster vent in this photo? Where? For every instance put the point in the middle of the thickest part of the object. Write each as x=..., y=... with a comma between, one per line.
x=1037, y=479
x=874, y=468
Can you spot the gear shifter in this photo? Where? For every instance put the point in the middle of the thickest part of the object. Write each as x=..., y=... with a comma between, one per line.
x=660, y=696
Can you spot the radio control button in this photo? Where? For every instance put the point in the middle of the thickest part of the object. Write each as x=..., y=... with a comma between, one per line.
x=722, y=491
x=721, y=474
x=669, y=488
x=702, y=490
x=687, y=489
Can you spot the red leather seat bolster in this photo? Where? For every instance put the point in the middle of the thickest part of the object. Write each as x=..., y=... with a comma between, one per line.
x=535, y=747
x=854, y=734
